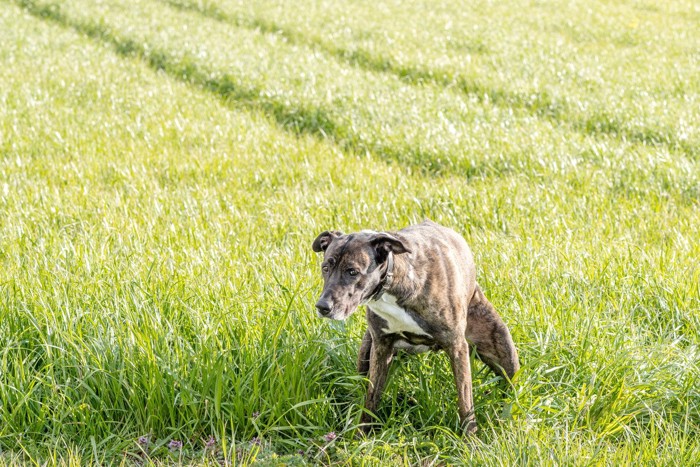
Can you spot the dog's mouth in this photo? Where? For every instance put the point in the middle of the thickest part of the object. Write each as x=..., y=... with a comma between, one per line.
x=339, y=304
x=339, y=314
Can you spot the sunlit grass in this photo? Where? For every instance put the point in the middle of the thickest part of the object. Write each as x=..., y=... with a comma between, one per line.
x=164, y=167
x=594, y=66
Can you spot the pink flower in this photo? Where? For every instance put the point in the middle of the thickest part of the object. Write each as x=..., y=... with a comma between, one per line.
x=175, y=445
x=330, y=436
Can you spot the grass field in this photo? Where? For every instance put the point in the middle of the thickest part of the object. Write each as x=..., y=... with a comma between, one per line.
x=165, y=166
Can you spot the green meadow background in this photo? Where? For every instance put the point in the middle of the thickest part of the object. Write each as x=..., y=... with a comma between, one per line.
x=166, y=164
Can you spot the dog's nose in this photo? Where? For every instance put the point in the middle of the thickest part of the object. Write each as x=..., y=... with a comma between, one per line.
x=323, y=307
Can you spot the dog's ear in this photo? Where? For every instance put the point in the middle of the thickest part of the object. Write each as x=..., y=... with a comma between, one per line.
x=384, y=243
x=325, y=239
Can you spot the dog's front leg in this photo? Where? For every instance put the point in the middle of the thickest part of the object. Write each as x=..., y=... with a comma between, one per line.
x=380, y=357
x=459, y=358
x=364, y=354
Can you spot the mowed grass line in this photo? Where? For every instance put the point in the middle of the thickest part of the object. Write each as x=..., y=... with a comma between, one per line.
x=431, y=136
x=197, y=273
x=532, y=149
x=559, y=99
x=358, y=135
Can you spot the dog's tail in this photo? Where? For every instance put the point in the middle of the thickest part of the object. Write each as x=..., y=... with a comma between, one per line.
x=490, y=336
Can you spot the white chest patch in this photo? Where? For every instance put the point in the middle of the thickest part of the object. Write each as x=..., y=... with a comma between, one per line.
x=398, y=321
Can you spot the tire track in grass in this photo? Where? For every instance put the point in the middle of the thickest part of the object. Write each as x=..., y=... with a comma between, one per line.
x=512, y=155
x=296, y=119
x=540, y=104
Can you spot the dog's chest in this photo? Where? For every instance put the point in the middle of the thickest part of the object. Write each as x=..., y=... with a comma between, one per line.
x=398, y=321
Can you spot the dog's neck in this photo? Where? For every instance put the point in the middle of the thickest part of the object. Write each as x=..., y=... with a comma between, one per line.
x=394, y=278
x=387, y=280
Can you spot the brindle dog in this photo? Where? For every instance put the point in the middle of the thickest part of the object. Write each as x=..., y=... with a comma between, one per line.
x=419, y=285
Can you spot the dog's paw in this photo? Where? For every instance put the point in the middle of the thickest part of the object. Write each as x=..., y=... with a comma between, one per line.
x=470, y=428
x=367, y=425
x=363, y=431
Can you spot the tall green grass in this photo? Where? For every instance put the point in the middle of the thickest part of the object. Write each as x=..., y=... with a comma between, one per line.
x=165, y=165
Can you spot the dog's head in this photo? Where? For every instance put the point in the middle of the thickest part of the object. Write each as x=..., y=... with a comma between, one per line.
x=353, y=269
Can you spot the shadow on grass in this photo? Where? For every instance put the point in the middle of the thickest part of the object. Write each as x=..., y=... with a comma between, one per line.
x=539, y=104
x=298, y=120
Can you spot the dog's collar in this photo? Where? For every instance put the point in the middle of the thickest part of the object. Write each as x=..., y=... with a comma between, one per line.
x=388, y=278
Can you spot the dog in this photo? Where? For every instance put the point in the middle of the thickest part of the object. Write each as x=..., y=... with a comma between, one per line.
x=420, y=291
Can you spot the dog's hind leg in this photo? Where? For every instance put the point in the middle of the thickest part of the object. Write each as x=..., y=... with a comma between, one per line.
x=363, y=357
x=461, y=368
x=490, y=336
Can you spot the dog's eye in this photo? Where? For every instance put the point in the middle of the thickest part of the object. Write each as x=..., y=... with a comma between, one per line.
x=352, y=272
x=324, y=269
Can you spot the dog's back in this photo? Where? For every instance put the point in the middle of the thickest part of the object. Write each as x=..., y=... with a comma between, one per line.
x=442, y=263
